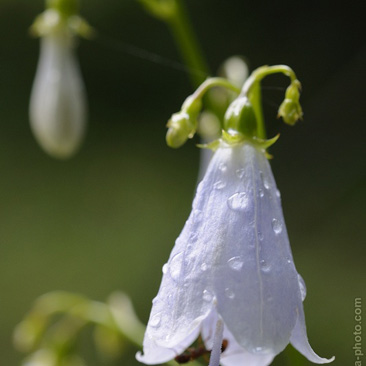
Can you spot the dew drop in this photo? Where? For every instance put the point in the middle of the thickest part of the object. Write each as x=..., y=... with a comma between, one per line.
x=197, y=216
x=206, y=295
x=266, y=183
x=170, y=299
x=278, y=193
x=259, y=350
x=229, y=293
x=235, y=263
x=222, y=168
x=302, y=287
x=238, y=201
x=289, y=261
x=155, y=320
x=165, y=268
x=175, y=266
x=204, y=267
x=219, y=185
x=240, y=173
x=260, y=235
x=264, y=265
x=276, y=226
x=261, y=193
x=193, y=237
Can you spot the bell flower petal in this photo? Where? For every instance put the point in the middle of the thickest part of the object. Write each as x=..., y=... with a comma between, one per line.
x=58, y=102
x=231, y=261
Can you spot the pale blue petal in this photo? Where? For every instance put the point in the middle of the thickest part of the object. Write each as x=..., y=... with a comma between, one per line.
x=299, y=340
x=251, y=272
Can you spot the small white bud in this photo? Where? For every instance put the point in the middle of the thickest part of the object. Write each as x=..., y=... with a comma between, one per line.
x=58, y=102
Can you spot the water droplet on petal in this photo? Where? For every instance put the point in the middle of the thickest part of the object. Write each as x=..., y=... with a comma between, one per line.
x=278, y=193
x=222, y=168
x=175, y=266
x=302, y=287
x=207, y=296
x=193, y=237
x=289, y=261
x=260, y=235
x=165, y=268
x=229, y=293
x=155, y=320
x=261, y=350
x=238, y=201
x=240, y=173
x=235, y=263
x=204, y=267
x=266, y=183
x=219, y=185
x=261, y=193
x=276, y=226
x=265, y=267
x=197, y=216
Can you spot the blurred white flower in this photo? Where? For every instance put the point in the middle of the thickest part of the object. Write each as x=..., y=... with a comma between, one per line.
x=231, y=265
x=58, y=102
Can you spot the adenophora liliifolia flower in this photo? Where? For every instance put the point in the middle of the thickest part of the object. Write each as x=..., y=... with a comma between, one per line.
x=58, y=101
x=231, y=275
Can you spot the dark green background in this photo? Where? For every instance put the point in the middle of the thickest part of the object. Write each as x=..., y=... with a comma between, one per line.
x=107, y=219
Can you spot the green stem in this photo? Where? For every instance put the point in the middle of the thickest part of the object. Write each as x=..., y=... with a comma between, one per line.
x=214, y=82
x=188, y=44
x=252, y=90
x=256, y=101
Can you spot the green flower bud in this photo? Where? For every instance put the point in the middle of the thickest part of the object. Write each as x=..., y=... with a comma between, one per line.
x=240, y=117
x=183, y=124
x=180, y=129
x=290, y=110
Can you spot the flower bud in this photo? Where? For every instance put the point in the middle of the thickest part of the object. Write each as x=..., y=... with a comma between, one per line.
x=58, y=102
x=290, y=110
x=180, y=129
x=240, y=117
x=183, y=124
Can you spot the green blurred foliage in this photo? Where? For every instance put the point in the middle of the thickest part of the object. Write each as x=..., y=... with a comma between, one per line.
x=107, y=219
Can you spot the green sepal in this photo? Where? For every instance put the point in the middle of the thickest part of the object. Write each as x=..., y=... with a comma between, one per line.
x=214, y=145
x=234, y=138
x=56, y=19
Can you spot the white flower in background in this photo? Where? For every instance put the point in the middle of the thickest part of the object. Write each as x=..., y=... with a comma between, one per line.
x=231, y=274
x=58, y=100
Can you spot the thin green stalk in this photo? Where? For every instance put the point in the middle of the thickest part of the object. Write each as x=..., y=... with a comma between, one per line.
x=188, y=44
x=256, y=101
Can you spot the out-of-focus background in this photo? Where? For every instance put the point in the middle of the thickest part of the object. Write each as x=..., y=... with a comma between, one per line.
x=107, y=219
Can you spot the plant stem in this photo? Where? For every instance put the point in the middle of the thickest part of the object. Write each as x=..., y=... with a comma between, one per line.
x=188, y=44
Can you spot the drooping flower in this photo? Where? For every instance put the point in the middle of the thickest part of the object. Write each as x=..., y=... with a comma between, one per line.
x=58, y=100
x=231, y=265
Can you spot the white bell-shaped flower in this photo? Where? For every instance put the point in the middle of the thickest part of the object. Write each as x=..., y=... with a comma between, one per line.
x=232, y=263
x=58, y=101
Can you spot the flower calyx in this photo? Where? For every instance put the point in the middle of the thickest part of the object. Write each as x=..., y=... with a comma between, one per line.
x=61, y=15
x=290, y=110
